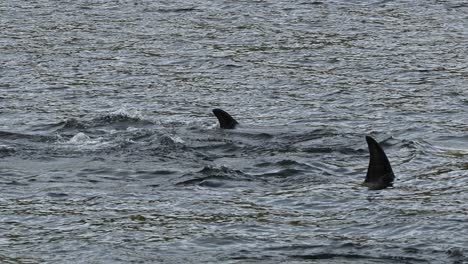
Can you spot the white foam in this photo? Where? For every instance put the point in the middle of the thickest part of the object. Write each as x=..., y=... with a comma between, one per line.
x=79, y=138
x=168, y=139
x=83, y=141
x=135, y=114
x=177, y=139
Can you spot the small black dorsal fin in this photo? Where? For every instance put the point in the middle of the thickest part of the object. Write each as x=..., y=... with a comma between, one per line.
x=226, y=121
x=379, y=174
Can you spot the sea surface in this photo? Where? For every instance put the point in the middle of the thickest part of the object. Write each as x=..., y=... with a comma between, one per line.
x=109, y=151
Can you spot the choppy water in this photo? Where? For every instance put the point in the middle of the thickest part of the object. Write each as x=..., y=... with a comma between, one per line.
x=109, y=152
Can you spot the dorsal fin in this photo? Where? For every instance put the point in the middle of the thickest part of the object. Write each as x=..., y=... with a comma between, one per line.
x=379, y=174
x=226, y=121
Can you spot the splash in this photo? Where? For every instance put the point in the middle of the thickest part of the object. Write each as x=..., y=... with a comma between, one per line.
x=80, y=138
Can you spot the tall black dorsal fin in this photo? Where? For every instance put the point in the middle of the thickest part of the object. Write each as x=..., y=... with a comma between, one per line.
x=379, y=174
x=225, y=120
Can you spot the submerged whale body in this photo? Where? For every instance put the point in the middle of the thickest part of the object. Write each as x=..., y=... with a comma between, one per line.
x=226, y=121
x=379, y=173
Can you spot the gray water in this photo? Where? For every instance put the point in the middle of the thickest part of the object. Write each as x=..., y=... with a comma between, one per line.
x=109, y=152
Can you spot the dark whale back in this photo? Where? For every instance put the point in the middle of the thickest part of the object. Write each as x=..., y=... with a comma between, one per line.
x=226, y=121
x=379, y=174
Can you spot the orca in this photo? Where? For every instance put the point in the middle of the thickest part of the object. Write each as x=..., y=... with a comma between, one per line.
x=226, y=121
x=379, y=173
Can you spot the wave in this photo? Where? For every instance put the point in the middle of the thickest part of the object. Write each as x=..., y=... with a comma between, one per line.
x=215, y=177
x=6, y=150
x=121, y=119
x=4, y=135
